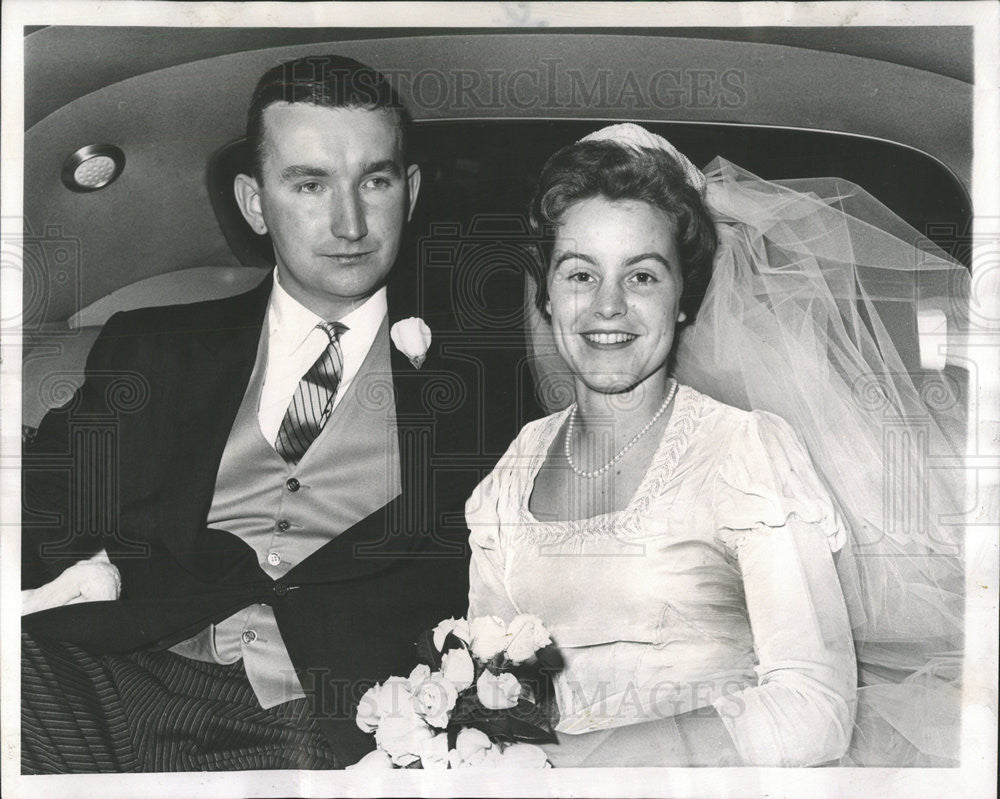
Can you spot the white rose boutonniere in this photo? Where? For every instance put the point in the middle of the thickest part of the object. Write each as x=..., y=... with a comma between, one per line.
x=412, y=337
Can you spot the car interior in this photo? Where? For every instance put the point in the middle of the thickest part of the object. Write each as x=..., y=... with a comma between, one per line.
x=891, y=113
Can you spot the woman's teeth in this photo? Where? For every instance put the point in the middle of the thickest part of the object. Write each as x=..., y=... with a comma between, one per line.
x=609, y=338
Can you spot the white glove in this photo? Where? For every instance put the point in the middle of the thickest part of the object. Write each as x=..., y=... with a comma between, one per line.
x=87, y=581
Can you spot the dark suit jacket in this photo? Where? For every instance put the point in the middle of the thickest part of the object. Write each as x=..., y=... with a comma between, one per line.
x=130, y=464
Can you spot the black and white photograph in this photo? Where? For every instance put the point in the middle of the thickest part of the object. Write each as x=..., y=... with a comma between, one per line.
x=500, y=399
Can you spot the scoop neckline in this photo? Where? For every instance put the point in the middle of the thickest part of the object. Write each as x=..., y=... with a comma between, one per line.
x=661, y=466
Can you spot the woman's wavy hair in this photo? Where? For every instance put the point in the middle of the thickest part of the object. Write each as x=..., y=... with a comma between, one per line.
x=606, y=169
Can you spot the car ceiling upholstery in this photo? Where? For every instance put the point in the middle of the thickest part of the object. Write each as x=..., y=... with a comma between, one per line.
x=172, y=99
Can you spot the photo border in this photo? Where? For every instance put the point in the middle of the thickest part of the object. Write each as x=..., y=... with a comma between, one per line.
x=977, y=774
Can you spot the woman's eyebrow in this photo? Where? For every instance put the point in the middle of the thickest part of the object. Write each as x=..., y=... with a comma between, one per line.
x=646, y=256
x=573, y=255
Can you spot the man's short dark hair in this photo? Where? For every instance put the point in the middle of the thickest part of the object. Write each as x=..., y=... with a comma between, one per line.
x=330, y=81
x=606, y=169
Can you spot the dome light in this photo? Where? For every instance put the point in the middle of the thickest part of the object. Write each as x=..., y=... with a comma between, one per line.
x=93, y=167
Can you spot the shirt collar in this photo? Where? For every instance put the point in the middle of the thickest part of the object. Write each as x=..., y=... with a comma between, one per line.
x=292, y=322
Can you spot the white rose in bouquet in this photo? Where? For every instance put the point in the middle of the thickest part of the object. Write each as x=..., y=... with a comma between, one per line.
x=489, y=636
x=413, y=718
x=499, y=691
x=524, y=756
x=433, y=696
x=525, y=635
x=389, y=698
x=420, y=673
x=402, y=735
x=473, y=749
x=458, y=668
x=368, y=717
x=457, y=627
x=433, y=753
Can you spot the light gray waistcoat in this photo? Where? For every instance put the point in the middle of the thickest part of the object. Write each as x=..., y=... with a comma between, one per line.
x=286, y=513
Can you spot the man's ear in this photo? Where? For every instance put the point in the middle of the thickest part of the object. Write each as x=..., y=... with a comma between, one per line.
x=248, y=199
x=413, y=181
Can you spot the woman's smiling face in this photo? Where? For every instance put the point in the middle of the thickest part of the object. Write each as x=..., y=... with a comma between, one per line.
x=614, y=290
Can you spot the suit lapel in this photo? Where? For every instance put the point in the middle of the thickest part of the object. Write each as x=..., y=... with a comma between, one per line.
x=216, y=363
x=395, y=530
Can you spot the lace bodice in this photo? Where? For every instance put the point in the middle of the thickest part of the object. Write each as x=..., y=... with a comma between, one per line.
x=626, y=522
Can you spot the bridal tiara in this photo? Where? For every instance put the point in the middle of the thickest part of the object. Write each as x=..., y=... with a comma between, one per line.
x=635, y=137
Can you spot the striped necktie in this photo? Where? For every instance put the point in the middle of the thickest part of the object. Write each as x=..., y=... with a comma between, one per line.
x=313, y=400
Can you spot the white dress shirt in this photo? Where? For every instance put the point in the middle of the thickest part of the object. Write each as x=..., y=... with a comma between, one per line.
x=294, y=343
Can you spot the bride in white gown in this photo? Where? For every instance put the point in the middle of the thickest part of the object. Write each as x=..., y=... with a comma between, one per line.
x=715, y=599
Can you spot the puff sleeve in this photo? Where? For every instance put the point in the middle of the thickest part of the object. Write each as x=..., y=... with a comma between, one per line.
x=488, y=594
x=775, y=518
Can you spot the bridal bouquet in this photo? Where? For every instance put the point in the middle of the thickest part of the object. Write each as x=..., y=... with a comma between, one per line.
x=480, y=697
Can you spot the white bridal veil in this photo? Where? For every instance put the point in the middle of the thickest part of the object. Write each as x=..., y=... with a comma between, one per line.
x=811, y=314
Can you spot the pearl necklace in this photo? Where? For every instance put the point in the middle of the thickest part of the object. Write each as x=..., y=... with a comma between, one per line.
x=598, y=472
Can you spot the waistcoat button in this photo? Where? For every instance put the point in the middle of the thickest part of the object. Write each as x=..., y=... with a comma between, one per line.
x=249, y=636
x=292, y=484
x=283, y=525
x=274, y=558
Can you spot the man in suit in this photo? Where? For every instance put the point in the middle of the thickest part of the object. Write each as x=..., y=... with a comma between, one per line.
x=278, y=488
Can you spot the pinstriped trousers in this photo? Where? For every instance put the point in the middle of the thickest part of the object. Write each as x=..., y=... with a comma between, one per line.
x=154, y=711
